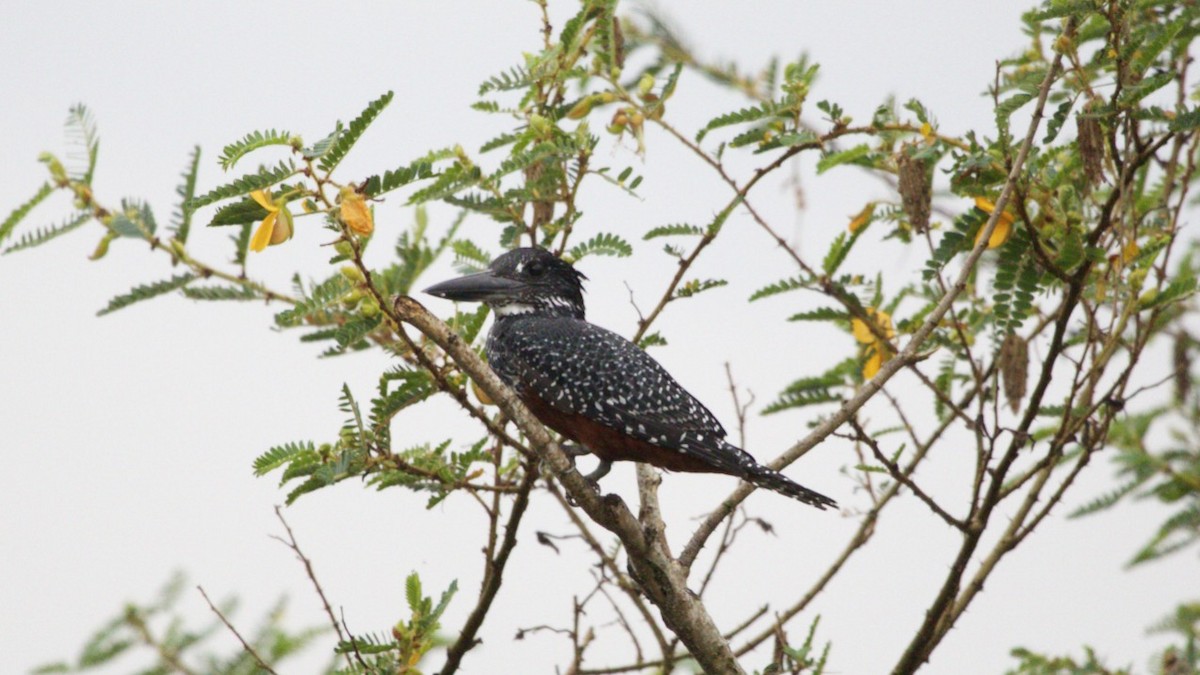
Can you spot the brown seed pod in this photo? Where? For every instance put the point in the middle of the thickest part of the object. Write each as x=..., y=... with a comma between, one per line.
x=1091, y=145
x=914, y=190
x=1181, y=366
x=1014, y=369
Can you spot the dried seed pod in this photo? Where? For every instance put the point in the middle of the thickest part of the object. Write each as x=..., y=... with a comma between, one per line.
x=1181, y=362
x=914, y=189
x=1091, y=145
x=1014, y=369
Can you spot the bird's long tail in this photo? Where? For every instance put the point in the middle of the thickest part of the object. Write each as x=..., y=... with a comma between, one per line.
x=756, y=474
x=770, y=479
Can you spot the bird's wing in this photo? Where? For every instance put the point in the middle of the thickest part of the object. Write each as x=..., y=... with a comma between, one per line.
x=580, y=368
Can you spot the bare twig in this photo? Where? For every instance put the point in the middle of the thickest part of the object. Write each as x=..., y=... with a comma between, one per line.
x=245, y=645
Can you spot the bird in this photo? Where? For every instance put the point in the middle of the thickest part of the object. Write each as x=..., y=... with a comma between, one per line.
x=593, y=386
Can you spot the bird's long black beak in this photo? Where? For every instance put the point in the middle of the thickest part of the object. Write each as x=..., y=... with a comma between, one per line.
x=475, y=288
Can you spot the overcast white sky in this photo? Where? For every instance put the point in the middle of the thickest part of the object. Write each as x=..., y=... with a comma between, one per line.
x=129, y=438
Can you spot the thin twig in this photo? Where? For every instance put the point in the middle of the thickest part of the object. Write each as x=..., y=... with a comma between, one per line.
x=245, y=645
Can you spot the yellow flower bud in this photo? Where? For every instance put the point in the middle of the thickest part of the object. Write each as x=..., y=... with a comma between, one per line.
x=283, y=227
x=369, y=308
x=645, y=84
x=355, y=213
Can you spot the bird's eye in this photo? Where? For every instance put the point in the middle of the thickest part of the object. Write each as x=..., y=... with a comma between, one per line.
x=535, y=268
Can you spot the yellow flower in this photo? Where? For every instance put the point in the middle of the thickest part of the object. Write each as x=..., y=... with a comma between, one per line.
x=355, y=212
x=276, y=228
x=876, y=350
x=863, y=218
x=1003, y=227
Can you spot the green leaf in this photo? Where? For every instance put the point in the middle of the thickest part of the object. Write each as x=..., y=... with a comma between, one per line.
x=468, y=257
x=1148, y=50
x=752, y=114
x=282, y=454
x=243, y=186
x=81, y=131
x=23, y=210
x=251, y=142
x=602, y=244
x=346, y=140
x=181, y=219
x=854, y=155
x=654, y=339
x=146, y=292
x=1184, y=121
x=418, y=170
x=1147, y=86
x=839, y=249
x=412, y=592
x=821, y=314
x=680, y=229
x=1009, y=106
x=241, y=243
x=444, y=602
x=1106, y=500
x=1176, y=290
x=220, y=293
x=45, y=234
x=355, y=330
x=238, y=213
x=314, y=303
x=1056, y=121
x=695, y=286
x=781, y=286
x=323, y=146
x=448, y=182
x=513, y=78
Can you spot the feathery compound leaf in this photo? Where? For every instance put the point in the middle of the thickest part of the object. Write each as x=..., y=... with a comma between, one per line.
x=243, y=186
x=23, y=210
x=251, y=142
x=821, y=314
x=322, y=147
x=181, y=218
x=419, y=170
x=1176, y=290
x=781, y=286
x=1106, y=500
x=468, y=257
x=45, y=234
x=318, y=299
x=280, y=455
x=220, y=293
x=452, y=180
x=347, y=139
x=238, y=213
x=680, y=229
x=81, y=132
x=752, y=114
x=514, y=78
x=856, y=155
x=695, y=286
x=954, y=241
x=602, y=244
x=412, y=592
x=146, y=292
x=839, y=250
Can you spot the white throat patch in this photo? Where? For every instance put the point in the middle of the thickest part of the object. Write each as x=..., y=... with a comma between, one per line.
x=512, y=309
